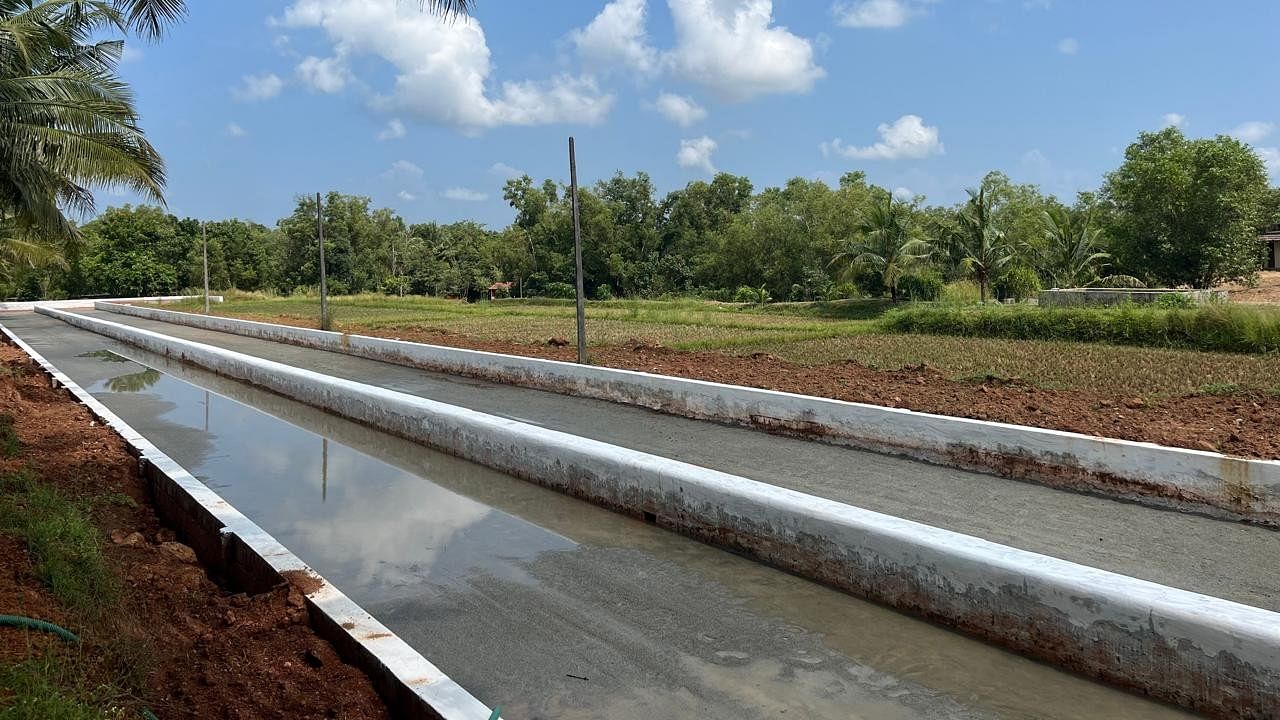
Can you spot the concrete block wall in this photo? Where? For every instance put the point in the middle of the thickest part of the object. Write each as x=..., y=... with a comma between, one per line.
x=252, y=560
x=1118, y=296
x=1204, y=653
x=1195, y=480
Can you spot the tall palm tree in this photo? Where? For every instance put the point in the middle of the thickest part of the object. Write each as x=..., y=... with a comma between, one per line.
x=885, y=244
x=1071, y=255
x=983, y=247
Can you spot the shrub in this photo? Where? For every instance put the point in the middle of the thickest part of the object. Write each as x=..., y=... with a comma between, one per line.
x=961, y=292
x=560, y=290
x=604, y=292
x=1174, y=301
x=746, y=295
x=922, y=285
x=1218, y=327
x=1017, y=283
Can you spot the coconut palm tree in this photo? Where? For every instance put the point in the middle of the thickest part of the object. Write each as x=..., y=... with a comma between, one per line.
x=1070, y=256
x=885, y=244
x=982, y=247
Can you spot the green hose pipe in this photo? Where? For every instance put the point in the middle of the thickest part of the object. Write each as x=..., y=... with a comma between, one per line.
x=27, y=623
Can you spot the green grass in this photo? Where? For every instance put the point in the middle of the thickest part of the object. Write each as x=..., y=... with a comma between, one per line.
x=1218, y=327
x=62, y=541
x=9, y=445
x=54, y=687
x=805, y=333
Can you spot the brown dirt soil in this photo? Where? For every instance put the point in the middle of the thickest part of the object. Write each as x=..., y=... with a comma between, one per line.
x=1266, y=291
x=196, y=649
x=1243, y=424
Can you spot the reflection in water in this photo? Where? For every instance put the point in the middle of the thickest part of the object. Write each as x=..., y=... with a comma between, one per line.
x=105, y=356
x=134, y=382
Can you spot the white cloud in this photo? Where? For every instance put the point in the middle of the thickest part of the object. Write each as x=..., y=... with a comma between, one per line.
x=1177, y=120
x=1068, y=46
x=732, y=48
x=696, y=153
x=234, y=130
x=393, y=131
x=1271, y=158
x=465, y=194
x=442, y=67
x=505, y=171
x=907, y=138
x=680, y=109
x=406, y=195
x=903, y=193
x=617, y=37
x=404, y=168
x=874, y=13
x=1253, y=131
x=327, y=75
x=258, y=87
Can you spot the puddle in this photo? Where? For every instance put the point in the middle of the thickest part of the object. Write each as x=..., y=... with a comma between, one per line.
x=105, y=356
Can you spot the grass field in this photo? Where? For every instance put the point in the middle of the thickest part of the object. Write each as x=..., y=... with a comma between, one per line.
x=802, y=333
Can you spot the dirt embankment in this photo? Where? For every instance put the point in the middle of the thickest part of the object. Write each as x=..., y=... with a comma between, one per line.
x=177, y=642
x=1244, y=424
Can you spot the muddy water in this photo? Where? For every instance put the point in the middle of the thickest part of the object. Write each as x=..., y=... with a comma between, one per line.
x=550, y=607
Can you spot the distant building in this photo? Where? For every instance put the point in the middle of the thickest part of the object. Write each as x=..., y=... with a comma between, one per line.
x=1270, y=239
x=499, y=289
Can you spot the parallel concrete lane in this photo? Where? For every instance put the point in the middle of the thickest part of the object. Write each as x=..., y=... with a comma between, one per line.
x=1224, y=559
x=545, y=605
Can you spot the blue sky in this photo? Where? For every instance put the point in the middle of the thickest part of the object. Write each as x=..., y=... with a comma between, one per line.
x=252, y=103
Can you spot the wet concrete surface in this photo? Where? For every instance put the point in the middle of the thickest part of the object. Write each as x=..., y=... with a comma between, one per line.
x=544, y=605
x=1221, y=558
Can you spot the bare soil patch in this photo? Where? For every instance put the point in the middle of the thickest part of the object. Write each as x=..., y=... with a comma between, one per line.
x=180, y=644
x=1266, y=291
x=1241, y=424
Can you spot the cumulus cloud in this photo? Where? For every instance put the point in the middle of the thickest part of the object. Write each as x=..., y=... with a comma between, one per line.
x=1177, y=120
x=680, y=109
x=505, y=171
x=465, y=194
x=234, y=130
x=903, y=193
x=1271, y=158
x=874, y=13
x=906, y=138
x=405, y=169
x=732, y=48
x=327, y=75
x=393, y=131
x=406, y=195
x=258, y=87
x=617, y=37
x=696, y=153
x=442, y=67
x=1068, y=46
x=1253, y=131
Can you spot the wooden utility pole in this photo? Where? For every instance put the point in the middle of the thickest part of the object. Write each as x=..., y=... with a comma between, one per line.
x=577, y=255
x=204, y=237
x=324, y=289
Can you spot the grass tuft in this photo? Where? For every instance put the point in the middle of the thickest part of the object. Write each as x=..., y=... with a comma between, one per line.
x=62, y=542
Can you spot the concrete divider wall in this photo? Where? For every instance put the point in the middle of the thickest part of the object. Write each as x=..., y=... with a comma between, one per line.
x=1235, y=488
x=1205, y=653
x=251, y=559
x=29, y=305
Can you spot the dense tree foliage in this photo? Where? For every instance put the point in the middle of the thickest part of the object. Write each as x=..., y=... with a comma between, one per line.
x=1178, y=211
x=1186, y=212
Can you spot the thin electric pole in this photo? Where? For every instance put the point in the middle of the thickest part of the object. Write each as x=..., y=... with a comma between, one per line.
x=324, y=289
x=204, y=238
x=577, y=255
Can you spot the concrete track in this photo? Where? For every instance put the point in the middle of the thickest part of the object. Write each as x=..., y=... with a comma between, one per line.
x=1228, y=560
x=548, y=606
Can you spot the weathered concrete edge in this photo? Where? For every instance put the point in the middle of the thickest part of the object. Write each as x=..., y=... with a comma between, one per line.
x=1195, y=480
x=252, y=559
x=29, y=305
x=1201, y=652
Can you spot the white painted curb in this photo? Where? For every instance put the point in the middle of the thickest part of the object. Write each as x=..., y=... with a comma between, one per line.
x=1236, y=488
x=225, y=538
x=29, y=305
x=1201, y=652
